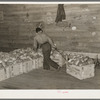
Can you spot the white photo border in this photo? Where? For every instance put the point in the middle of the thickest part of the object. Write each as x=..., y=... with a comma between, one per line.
x=50, y=94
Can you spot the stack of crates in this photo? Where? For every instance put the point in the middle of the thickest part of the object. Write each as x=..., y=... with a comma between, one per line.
x=20, y=67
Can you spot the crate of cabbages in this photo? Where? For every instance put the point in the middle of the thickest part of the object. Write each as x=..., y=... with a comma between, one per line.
x=79, y=66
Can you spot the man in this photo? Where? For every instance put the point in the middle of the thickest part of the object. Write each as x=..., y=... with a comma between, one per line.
x=41, y=40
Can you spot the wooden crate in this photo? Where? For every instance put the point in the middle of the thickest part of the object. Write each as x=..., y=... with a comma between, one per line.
x=2, y=73
x=82, y=72
x=25, y=66
x=33, y=64
x=20, y=65
x=11, y=70
x=40, y=62
x=8, y=74
x=16, y=69
x=29, y=65
x=36, y=63
x=21, y=68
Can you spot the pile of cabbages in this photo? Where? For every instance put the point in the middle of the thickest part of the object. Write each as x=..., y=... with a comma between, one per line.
x=18, y=55
x=79, y=60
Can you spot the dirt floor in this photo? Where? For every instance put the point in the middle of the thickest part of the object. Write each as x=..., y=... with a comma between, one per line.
x=42, y=79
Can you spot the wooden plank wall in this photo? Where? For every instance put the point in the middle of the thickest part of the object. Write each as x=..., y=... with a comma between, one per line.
x=18, y=28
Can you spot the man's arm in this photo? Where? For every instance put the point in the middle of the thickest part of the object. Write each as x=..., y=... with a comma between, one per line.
x=51, y=42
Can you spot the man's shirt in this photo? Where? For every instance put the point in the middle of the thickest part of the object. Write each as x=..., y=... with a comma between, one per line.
x=41, y=38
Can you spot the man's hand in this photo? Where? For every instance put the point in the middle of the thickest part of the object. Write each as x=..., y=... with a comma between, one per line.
x=54, y=48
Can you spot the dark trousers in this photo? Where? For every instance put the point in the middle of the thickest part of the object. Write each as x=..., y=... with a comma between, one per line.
x=46, y=49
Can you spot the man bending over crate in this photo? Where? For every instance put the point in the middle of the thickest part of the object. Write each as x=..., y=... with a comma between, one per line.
x=41, y=40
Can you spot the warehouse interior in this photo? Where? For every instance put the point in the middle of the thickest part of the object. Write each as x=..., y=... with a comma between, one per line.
x=78, y=32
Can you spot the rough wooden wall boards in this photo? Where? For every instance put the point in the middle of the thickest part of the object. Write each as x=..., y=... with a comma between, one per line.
x=17, y=29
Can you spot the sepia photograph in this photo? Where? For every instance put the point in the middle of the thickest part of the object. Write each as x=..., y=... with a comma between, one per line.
x=49, y=46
